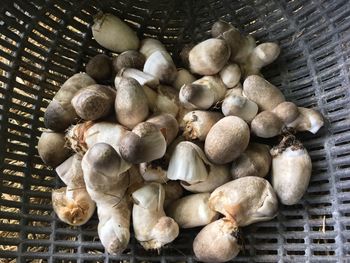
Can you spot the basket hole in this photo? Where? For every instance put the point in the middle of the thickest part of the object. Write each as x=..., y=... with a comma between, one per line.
x=37, y=236
x=9, y=259
x=66, y=249
x=298, y=252
x=295, y=241
x=294, y=229
x=38, y=248
x=324, y=253
x=64, y=236
x=266, y=252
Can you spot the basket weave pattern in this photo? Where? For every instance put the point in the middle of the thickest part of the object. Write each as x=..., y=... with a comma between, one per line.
x=42, y=43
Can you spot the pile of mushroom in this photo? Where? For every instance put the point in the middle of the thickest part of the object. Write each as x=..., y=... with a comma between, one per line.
x=175, y=148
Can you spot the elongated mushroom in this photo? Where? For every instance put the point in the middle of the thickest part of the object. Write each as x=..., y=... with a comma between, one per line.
x=107, y=181
x=72, y=204
x=153, y=229
x=291, y=170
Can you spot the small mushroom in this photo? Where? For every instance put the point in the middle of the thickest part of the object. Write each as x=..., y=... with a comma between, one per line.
x=264, y=54
x=184, y=54
x=192, y=211
x=226, y=140
x=142, y=77
x=217, y=242
x=60, y=112
x=230, y=75
x=72, y=206
x=291, y=170
x=167, y=124
x=129, y=59
x=235, y=105
x=173, y=191
x=161, y=65
x=52, y=148
x=113, y=33
x=203, y=93
x=99, y=67
x=183, y=77
x=217, y=176
x=209, y=57
x=262, y=92
x=308, y=120
x=245, y=201
x=266, y=125
x=94, y=102
x=196, y=124
x=254, y=161
x=219, y=27
x=144, y=143
x=149, y=46
x=188, y=163
x=161, y=101
x=287, y=112
x=131, y=107
x=155, y=171
x=83, y=136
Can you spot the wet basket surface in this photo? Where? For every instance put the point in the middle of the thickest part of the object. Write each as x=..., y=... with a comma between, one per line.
x=42, y=43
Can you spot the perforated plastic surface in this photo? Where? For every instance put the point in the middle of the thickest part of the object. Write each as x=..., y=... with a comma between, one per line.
x=42, y=43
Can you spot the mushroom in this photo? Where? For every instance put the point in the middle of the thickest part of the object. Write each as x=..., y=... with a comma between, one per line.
x=262, y=92
x=209, y=57
x=291, y=170
x=173, y=191
x=192, y=211
x=230, y=75
x=167, y=124
x=217, y=242
x=94, y=102
x=236, y=105
x=113, y=33
x=131, y=107
x=308, y=120
x=107, y=181
x=266, y=125
x=142, y=77
x=153, y=229
x=226, y=140
x=99, y=67
x=189, y=164
x=254, y=161
x=144, y=143
x=60, y=112
x=161, y=65
x=52, y=148
x=129, y=59
x=203, y=93
x=72, y=204
x=183, y=77
x=245, y=201
x=196, y=124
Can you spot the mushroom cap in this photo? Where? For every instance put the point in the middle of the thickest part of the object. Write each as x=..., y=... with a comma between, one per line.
x=286, y=111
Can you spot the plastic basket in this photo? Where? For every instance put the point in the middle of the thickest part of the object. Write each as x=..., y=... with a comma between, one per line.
x=42, y=43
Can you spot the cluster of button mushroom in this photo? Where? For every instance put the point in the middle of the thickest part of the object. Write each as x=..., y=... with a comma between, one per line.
x=175, y=148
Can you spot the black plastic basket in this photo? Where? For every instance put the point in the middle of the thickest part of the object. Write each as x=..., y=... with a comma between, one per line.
x=42, y=43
